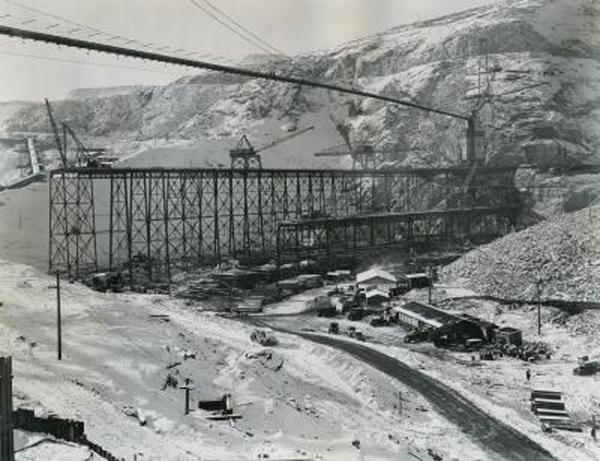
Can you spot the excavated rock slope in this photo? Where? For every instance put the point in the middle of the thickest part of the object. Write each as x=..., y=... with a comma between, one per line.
x=543, y=73
x=541, y=90
x=557, y=259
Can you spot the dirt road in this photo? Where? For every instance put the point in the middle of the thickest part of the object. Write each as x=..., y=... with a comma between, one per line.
x=490, y=433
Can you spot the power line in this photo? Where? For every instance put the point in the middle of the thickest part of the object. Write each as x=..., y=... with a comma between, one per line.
x=54, y=16
x=94, y=30
x=247, y=39
x=73, y=61
x=264, y=42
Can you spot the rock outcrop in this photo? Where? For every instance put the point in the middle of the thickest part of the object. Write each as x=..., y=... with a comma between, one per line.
x=530, y=69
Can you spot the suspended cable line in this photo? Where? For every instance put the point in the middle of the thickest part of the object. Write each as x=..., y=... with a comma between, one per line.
x=247, y=39
x=249, y=32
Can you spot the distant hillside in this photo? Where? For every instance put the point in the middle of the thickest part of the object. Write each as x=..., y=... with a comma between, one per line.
x=9, y=109
x=104, y=92
x=538, y=101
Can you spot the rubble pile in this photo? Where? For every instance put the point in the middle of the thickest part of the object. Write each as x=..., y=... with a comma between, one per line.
x=529, y=351
x=586, y=324
x=264, y=338
x=267, y=358
x=556, y=259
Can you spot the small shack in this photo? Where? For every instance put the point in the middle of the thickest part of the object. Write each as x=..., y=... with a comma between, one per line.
x=420, y=315
x=378, y=278
x=407, y=282
x=376, y=297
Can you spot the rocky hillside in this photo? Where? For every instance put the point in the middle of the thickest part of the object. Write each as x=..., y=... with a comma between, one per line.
x=9, y=109
x=537, y=98
x=95, y=93
x=558, y=259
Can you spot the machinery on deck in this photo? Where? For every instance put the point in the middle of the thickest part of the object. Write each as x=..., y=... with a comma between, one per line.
x=245, y=156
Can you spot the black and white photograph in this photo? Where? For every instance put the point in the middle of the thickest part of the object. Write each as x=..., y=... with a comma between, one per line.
x=299, y=230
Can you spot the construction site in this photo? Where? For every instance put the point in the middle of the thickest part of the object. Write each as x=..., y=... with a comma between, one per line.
x=387, y=250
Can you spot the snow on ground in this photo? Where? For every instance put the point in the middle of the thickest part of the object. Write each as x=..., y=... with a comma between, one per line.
x=297, y=303
x=499, y=387
x=49, y=449
x=11, y=160
x=115, y=359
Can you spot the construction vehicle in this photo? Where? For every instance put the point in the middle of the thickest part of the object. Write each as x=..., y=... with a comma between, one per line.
x=245, y=156
x=587, y=369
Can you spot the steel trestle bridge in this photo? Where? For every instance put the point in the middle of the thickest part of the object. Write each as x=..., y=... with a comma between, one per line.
x=155, y=222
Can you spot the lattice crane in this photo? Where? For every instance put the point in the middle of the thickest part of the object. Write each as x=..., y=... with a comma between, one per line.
x=91, y=157
x=245, y=156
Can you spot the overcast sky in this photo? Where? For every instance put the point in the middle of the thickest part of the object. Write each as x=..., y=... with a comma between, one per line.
x=292, y=26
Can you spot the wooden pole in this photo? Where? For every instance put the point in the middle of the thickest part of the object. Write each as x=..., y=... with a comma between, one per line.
x=430, y=284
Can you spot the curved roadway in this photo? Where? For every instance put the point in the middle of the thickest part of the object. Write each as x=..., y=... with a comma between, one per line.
x=491, y=434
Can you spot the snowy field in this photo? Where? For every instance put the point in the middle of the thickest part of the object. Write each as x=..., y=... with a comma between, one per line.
x=115, y=367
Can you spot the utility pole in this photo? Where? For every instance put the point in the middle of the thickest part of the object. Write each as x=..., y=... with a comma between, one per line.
x=58, y=315
x=7, y=448
x=430, y=284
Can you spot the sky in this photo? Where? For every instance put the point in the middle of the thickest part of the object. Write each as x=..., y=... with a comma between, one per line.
x=32, y=71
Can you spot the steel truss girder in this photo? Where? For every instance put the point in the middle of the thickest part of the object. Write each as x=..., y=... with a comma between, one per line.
x=332, y=239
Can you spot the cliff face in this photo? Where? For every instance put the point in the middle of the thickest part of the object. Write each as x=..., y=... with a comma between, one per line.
x=537, y=97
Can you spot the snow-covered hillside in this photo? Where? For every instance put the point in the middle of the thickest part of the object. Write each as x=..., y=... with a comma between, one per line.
x=537, y=98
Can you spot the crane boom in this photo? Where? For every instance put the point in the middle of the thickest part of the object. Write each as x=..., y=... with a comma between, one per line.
x=284, y=139
x=59, y=145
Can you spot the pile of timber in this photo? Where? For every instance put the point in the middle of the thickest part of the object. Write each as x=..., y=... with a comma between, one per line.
x=549, y=407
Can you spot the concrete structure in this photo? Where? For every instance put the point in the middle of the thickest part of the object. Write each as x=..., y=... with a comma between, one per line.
x=33, y=156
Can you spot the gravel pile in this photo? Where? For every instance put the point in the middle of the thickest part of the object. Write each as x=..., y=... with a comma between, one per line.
x=556, y=259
